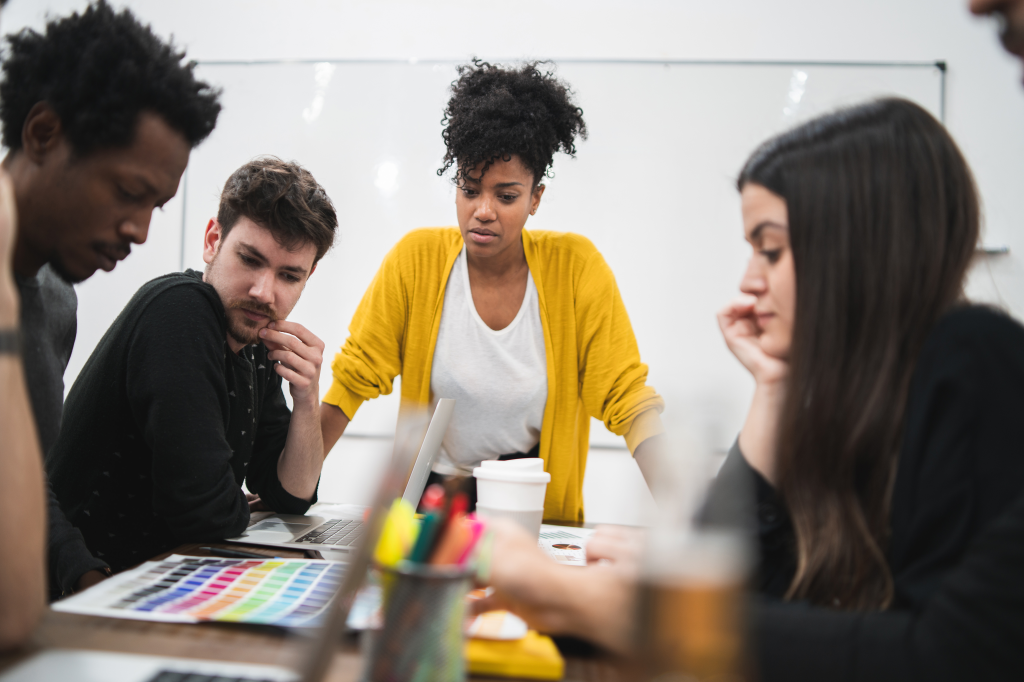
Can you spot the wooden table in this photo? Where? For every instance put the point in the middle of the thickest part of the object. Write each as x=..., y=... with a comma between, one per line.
x=233, y=642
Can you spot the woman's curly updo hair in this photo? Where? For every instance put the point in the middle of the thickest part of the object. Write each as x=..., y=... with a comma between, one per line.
x=497, y=112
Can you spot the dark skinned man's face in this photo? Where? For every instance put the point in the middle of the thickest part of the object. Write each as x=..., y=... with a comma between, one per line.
x=83, y=213
x=1010, y=14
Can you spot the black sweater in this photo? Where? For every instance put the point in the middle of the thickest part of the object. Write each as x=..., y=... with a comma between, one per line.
x=164, y=423
x=956, y=549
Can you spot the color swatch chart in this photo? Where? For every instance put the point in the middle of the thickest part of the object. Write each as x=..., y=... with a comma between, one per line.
x=284, y=592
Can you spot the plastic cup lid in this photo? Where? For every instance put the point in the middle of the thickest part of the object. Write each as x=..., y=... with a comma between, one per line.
x=526, y=470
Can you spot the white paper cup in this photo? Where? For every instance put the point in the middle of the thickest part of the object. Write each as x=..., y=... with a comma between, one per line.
x=512, y=489
x=530, y=520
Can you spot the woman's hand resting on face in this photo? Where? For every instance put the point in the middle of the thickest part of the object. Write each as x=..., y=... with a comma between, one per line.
x=742, y=334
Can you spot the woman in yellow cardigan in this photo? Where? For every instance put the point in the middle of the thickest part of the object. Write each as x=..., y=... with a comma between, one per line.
x=525, y=330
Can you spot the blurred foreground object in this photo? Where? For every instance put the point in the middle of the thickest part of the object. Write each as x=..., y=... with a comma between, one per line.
x=690, y=610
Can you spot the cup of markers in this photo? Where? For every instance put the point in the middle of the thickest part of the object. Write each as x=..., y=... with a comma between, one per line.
x=427, y=567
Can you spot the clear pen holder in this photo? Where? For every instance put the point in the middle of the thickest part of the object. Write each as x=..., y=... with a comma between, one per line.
x=422, y=638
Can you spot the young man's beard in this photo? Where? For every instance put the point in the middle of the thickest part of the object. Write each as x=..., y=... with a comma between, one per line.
x=241, y=328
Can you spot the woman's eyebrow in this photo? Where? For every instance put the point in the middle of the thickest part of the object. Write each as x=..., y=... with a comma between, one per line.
x=755, y=234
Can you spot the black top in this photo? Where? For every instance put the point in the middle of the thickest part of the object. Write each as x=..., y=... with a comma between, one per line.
x=164, y=423
x=49, y=324
x=970, y=628
x=959, y=585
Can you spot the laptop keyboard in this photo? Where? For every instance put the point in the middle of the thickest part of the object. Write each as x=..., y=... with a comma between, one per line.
x=334, y=532
x=178, y=676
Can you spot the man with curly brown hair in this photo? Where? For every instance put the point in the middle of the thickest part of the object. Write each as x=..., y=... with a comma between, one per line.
x=182, y=399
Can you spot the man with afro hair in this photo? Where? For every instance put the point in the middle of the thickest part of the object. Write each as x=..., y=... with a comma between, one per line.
x=99, y=116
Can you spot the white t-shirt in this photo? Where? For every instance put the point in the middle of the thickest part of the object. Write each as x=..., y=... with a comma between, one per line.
x=497, y=378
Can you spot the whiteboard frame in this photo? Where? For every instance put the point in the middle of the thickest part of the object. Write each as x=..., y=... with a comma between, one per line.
x=939, y=64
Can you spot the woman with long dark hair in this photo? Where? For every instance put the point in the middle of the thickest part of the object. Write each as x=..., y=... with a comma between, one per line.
x=877, y=424
x=883, y=436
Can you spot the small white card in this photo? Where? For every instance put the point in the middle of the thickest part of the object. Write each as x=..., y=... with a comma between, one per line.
x=565, y=544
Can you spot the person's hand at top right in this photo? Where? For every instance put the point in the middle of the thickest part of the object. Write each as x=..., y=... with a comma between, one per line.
x=738, y=323
x=8, y=232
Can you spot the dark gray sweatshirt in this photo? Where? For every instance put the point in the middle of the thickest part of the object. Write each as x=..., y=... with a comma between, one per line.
x=49, y=309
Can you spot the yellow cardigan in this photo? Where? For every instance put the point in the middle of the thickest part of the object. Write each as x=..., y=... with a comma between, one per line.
x=593, y=363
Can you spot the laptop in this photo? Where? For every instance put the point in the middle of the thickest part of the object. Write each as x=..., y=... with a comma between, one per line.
x=71, y=665
x=337, y=535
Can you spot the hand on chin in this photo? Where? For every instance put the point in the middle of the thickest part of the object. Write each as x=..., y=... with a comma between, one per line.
x=756, y=349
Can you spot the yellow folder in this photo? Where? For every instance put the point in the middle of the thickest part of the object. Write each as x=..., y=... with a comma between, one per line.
x=534, y=656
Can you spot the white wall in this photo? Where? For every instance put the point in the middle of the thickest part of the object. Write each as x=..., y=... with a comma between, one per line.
x=985, y=101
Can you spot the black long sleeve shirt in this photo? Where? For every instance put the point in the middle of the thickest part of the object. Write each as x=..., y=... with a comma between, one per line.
x=163, y=425
x=956, y=549
x=49, y=325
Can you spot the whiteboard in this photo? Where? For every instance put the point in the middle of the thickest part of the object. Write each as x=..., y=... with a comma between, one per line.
x=653, y=187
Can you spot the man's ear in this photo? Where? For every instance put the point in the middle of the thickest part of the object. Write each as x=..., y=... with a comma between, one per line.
x=42, y=132
x=211, y=240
